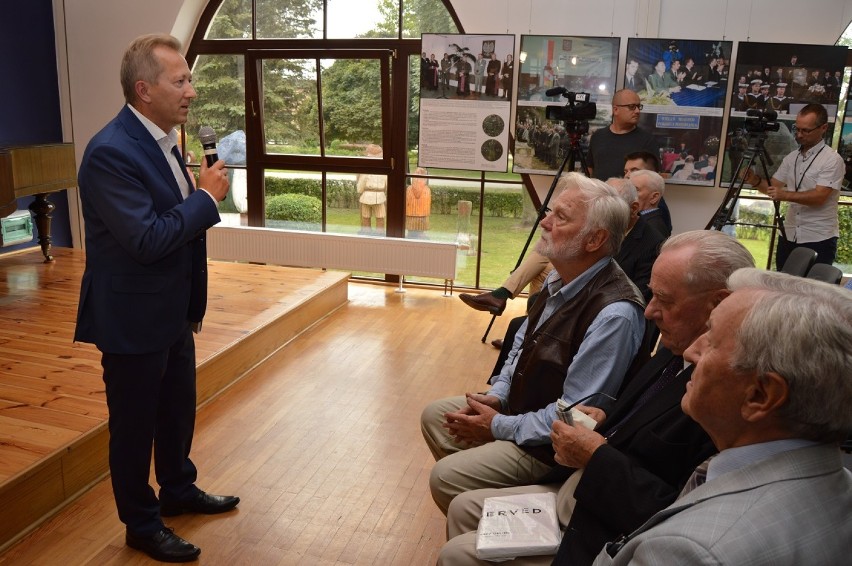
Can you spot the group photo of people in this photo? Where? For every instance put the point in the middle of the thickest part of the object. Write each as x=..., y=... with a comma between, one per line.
x=467, y=67
x=783, y=79
x=678, y=72
x=577, y=64
x=561, y=65
x=777, y=86
x=543, y=144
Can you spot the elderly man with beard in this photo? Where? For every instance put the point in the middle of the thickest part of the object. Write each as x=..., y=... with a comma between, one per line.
x=584, y=334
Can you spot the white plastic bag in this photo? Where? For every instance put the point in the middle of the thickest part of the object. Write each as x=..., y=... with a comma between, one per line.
x=518, y=525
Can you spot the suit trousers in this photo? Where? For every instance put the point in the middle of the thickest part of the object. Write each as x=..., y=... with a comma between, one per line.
x=533, y=271
x=461, y=467
x=151, y=401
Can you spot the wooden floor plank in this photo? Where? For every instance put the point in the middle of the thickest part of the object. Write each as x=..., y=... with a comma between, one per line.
x=52, y=402
x=322, y=442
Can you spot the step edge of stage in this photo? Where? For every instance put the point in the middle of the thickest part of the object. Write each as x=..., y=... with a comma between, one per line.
x=71, y=470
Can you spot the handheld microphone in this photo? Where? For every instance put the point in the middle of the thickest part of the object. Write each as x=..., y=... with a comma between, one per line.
x=555, y=91
x=208, y=142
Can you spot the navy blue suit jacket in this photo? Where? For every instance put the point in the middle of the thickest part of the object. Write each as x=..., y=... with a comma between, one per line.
x=640, y=470
x=146, y=265
x=637, y=255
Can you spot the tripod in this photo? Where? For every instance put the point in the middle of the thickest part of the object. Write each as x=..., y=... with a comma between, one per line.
x=755, y=150
x=572, y=157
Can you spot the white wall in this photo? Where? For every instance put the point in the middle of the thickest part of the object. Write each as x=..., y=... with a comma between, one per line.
x=96, y=33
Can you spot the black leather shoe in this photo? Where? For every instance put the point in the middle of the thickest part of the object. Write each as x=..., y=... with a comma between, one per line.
x=484, y=302
x=497, y=343
x=164, y=546
x=203, y=503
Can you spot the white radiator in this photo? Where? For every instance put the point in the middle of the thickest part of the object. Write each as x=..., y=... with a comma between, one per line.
x=396, y=256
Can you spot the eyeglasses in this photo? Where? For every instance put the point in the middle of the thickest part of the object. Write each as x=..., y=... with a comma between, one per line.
x=806, y=131
x=631, y=107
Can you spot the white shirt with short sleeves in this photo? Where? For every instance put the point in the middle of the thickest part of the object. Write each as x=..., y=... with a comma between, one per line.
x=819, y=166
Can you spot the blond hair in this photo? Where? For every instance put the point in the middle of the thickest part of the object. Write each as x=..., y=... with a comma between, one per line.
x=140, y=64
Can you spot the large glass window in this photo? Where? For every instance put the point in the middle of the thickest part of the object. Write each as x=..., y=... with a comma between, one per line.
x=288, y=102
x=319, y=103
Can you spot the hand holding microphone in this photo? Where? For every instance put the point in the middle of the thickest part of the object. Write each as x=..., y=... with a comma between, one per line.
x=212, y=177
x=208, y=141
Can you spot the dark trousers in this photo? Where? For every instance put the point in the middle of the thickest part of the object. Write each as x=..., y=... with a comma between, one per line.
x=826, y=250
x=151, y=401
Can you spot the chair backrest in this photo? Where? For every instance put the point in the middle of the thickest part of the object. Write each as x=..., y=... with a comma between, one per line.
x=799, y=261
x=825, y=272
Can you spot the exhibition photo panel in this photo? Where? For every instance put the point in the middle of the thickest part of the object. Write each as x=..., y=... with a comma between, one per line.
x=682, y=85
x=466, y=88
x=556, y=73
x=770, y=84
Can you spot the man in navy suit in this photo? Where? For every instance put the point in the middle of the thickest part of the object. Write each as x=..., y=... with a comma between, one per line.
x=144, y=291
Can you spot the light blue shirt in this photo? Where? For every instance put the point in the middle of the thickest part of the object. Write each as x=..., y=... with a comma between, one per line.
x=167, y=141
x=608, y=348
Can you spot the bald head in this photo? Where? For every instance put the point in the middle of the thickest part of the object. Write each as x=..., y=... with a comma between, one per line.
x=625, y=111
x=625, y=96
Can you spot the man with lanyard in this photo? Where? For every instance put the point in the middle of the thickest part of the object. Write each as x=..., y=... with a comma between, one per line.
x=809, y=180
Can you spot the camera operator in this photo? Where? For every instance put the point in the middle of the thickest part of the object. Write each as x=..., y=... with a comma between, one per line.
x=608, y=146
x=809, y=179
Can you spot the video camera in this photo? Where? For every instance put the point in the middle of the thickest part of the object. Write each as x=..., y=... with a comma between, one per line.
x=578, y=109
x=758, y=121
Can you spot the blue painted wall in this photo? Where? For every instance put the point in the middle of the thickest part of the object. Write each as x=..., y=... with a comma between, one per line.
x=29, y=99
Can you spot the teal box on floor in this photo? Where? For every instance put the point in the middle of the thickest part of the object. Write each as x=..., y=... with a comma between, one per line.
x=17, y=228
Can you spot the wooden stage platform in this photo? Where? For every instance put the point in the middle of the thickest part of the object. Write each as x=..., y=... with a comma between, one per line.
x=53, y=429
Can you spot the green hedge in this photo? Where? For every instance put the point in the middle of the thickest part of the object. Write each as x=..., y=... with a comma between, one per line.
x=844, y=243
x=294, y=207
x=758, y=216
x=343, y=194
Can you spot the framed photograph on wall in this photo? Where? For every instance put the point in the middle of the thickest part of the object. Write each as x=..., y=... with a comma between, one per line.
x=553, y=69
x=682, y=84
x=466, y=89
x=780, y=78
x=844, y=146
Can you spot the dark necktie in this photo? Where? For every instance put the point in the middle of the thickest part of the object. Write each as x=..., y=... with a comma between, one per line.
x=177, y=154
x=698, y=477
x=180, y=161
x=674, y=367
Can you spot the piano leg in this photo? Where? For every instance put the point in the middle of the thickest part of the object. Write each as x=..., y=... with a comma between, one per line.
x=42, y=209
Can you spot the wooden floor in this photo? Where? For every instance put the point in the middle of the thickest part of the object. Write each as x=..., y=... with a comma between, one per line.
x=321, y=442
x=53, y=432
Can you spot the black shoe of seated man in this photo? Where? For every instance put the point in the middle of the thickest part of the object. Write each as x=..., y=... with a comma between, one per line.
x=484, y=302
x=164, y=546
x=203, y=503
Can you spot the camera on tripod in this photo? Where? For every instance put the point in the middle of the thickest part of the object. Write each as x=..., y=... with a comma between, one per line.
x=576, y=113
x=761, y=120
